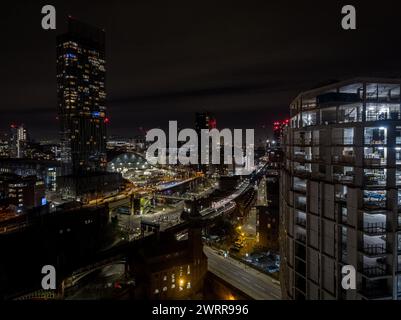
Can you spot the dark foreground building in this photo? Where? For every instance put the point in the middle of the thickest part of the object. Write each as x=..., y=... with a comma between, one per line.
x=172, y=269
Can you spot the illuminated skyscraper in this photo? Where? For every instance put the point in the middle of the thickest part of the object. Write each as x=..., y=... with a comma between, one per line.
x=203, y=120
x=18, y=140
x=81, y=97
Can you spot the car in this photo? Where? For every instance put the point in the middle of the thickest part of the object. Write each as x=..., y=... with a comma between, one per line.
x=239, y=244
x=221, y=252
x=272, y=269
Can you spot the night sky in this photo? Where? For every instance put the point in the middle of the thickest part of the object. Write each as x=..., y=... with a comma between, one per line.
x=243, y=60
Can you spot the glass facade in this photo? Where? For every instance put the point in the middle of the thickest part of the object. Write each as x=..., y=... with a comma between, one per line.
x=82, y=97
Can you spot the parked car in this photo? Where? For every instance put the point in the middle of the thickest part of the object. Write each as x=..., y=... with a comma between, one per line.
x=273, y=269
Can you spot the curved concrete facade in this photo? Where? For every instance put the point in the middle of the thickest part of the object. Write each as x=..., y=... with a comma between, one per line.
x=340, y=193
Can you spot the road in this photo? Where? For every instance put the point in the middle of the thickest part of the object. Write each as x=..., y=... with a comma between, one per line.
x=250, y=281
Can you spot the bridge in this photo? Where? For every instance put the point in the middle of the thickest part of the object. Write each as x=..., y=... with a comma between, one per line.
x=79, y=274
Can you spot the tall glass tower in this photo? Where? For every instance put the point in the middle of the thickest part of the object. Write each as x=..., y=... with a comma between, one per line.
x=81, y=97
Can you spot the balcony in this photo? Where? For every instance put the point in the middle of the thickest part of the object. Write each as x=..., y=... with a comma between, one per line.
x=317, y=158
x=375, y=135
x=347, y=178
x=373, y=271
x=301, y=171
x=382, y=115
x=375, y=205
x=374, y=200
x=341, y=159
x=375, y=228
x=318, y=175
x=343, y=141
x=374, y=250
x=301, y=237
x=300, y=206
x=374, y=161
x=302, y=141
x=300, y=221
x=300, y=157
x=377, y=180
x=336, y=98
x=376, y=289
x=299, y=188
x=340, y=196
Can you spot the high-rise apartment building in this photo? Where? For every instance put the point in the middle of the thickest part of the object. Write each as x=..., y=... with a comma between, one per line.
x=82, y=97
x=278, y=129
x=204, y=120
x=340, y=191
x=18, y=139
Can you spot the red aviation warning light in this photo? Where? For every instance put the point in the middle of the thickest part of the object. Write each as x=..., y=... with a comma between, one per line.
x=212, y=123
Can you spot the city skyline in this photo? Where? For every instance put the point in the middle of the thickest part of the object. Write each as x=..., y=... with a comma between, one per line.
x=200, y=152
x=232, y=66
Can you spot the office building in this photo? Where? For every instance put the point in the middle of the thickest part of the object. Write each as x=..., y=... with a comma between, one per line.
x=22, y=193
x=340, y=192
x=4, y=145
x=81, y=96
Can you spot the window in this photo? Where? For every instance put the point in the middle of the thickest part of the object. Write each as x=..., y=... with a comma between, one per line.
x=375, y=177
x=343, y=136
x=299, y=184
x=397, y=155
x=375, y=156
x=350, y=113
x=343, y=174
x=344, y=240
x=399, y=197
x=308, y=118
x=398, y=177
x=328, y=115
x=374, y=199
x=383, y=92
x=398, y=135
x=375, y=135
x=375, y=112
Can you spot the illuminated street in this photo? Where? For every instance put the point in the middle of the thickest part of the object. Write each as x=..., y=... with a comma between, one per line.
x=252, y=282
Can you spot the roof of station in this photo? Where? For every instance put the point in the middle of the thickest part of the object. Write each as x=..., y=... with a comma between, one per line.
x=129, y=161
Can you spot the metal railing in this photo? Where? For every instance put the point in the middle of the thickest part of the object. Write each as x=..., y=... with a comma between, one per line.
x=300, y=221
x=375, y=271
x=375, y=228
x=374, y=249
x=301, y=237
